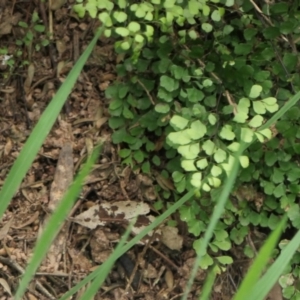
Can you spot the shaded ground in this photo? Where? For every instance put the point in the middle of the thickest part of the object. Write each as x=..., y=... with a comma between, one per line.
x=25, y=91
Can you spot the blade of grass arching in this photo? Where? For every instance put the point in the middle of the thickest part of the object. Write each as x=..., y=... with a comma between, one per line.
x=227, y=189
x=217, y=213
x=41, y=130
x=281, y=112
x=208, y=285
x=98, y=281
x=119, y=252
x=160, y=219
x=53, y=225
x=265, y=284
x=260, y=263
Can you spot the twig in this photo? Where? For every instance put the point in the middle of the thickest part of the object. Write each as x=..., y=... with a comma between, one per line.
x=266, y=18
x=17, y=267
x=44, y=17
x=232, y=281
x=134, y=271
x=165, y=258
x=290, y=41
x=147, y=92
x=202, y=64
x=231, y=102
x=75, y=45
x=249, y=240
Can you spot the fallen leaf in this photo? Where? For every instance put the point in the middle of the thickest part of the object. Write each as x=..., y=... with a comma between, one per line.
x=100, y=215
x=29, y=78
x=5, y=285
x=8, y=147
x=164, y=183
x=171, y=238
x=56, y=4
x=4, y=229
x=63, y=176
x=169, y=279
x=89, y=218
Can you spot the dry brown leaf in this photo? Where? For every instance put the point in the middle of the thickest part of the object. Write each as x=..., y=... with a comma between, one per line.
x=150, y=193
x=144, y=180
x=149, y=272
x=99, y=122
x=89, y=145
x=4, y=229
x=89, y=218
x=126, y=209
x=61, y=64
x=29, y=78
x=164, y=183
x=7, y=23
x=103, y=85
x=5, y=285
x=56, y=4
x=63, y=68
x=100, y=215
x=169, y=279
x=8, y=147
x=31, y=296
x=61, y=47
x=143, y=222
x=80, y=261
x=32, y=218
x=63, y=176
x=171, y=238
x=108, y=77
x=8, y=89
x=100, y=246
x=5, y=27
x=159, y=143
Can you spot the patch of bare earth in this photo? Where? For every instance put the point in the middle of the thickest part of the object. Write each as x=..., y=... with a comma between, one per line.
x=157, y=268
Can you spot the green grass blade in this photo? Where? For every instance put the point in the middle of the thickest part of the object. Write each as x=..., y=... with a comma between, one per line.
x=265, y=284
x=281, y=112
x=226, y=191
x=54, y=223
x=260, y=263
x=217, y=213
x=208, y=285
x=98, y=281
x=41, y=130
x=120, y=251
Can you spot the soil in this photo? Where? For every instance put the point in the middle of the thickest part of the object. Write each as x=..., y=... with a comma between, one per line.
x=26, y=88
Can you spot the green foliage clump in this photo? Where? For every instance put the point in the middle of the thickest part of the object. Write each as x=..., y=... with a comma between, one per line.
x=197, y=80
x=34, y=39
x=32, y=33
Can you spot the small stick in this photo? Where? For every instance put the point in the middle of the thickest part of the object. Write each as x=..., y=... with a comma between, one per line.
x=17, y=267
x=165, y=258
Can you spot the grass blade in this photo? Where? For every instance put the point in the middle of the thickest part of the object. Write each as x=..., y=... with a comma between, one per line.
x=120, y=251
x=41, y=130
x=53, y=226
x=227, y=189
x=281, y=112
x=98, y=281
x=265, y=284
x=217, y=213
x=208, y=285
x=260, y=263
